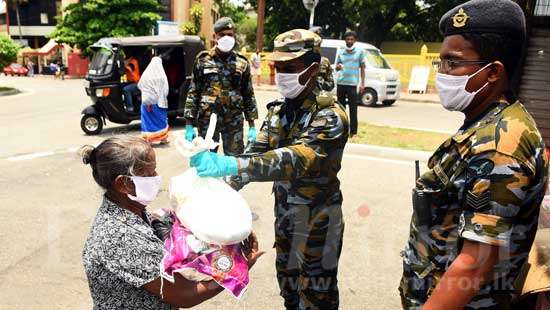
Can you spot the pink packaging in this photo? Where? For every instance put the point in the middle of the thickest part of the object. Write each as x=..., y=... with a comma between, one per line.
x=224, y=264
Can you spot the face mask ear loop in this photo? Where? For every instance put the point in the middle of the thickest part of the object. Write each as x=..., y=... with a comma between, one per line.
x=305, y=70
x=476, y=73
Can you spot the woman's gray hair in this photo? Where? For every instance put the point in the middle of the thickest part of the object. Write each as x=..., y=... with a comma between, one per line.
x=119, y=155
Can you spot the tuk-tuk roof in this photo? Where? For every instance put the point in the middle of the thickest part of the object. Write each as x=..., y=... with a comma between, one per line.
x=150, y=41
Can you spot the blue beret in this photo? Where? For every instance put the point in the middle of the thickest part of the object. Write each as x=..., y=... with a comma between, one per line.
x=223, y=24
x=485, y=16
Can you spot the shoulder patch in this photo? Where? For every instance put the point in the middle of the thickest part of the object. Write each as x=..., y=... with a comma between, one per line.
x=325, y=100
x=481, y=167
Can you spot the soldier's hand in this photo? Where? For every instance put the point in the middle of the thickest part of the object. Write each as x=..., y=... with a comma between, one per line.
x=250, y=249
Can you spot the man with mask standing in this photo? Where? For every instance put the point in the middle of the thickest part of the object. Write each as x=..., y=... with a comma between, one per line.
x=222, y=84
x=300, y=148
x=350, y=63
x=476, y=208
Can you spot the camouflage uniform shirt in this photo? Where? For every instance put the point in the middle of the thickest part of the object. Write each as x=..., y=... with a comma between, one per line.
x=325, y=79
x=221, y=86
x=485, y=184
x=224, y=87
x=300, y=148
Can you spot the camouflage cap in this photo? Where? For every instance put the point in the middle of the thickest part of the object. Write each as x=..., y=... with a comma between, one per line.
x=223, y=24
x=295, y=43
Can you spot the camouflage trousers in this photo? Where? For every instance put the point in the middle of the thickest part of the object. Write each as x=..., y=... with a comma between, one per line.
x=308, y=242
x=229, y=127
x=415, y=291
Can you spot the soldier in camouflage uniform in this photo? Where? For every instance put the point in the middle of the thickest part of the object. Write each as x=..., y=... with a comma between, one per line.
x=222, y=84
x=476, y=208
x=300, y=147
x=325, y=77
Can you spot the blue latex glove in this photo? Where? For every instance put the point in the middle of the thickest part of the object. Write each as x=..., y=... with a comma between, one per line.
x=210, y=164
x=252, y=134
x=204, y=156
x=189, y=133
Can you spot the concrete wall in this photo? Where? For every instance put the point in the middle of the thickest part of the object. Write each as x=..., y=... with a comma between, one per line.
x=180, y=14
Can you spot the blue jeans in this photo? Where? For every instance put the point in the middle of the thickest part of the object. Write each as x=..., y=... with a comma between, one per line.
x=129, y=91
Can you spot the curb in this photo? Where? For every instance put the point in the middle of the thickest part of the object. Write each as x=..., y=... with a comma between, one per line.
x=387, y=152
x=10, y=92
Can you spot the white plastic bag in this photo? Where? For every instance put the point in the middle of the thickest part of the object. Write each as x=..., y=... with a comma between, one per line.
x=213, y=211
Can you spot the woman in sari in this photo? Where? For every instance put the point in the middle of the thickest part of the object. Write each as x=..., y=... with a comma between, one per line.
x=154, y=103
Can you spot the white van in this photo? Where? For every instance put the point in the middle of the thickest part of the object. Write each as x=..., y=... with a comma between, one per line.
x=382, y=84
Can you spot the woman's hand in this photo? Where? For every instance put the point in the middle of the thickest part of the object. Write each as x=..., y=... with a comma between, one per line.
x=250, y=250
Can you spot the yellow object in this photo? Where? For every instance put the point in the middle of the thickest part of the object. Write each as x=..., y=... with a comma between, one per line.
x=405, y=63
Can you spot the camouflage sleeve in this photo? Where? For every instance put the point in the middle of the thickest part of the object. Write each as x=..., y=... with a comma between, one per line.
x=301, y=158
x=194, y=94
x=247, y=91
x=261, y=145
x=501, y=187
x=325, y=79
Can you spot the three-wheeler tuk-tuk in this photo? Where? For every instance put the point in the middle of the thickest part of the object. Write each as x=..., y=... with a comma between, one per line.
x=106, y=77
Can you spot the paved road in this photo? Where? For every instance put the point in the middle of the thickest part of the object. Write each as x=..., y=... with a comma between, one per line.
x=48, y=200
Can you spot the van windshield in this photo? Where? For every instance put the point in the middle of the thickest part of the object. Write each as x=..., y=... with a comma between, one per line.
x=330, y=53
x=102, y=62
x=375, y=59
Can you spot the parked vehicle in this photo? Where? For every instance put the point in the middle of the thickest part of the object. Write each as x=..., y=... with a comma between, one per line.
x=382, y=84
x=15, y=69
x=106, y=76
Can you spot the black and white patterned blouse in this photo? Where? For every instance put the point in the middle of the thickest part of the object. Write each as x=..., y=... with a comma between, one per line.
x=122, y=254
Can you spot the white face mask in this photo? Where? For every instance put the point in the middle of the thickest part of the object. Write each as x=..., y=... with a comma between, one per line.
x=452, y=90
x=289, y=83
x=226, y=44
x=147, y=189
x=350, y=48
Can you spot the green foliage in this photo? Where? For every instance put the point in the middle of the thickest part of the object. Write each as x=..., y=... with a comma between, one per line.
x=247, y=33
x=88, y=21
x=283, y=15
x=227, y=8
x=375, y=21
x=193, y=27
x=8, y=51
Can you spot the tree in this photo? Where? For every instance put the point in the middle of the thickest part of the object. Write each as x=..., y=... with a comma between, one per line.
x=193, y=27
x=375, y=21
x=283, y=15
x=246, y=31
x=229, y=9
x=423, y=23
x=8, y=51
x=88, y=21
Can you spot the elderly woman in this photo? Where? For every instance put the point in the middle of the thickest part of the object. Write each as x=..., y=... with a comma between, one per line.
x=122, y=255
